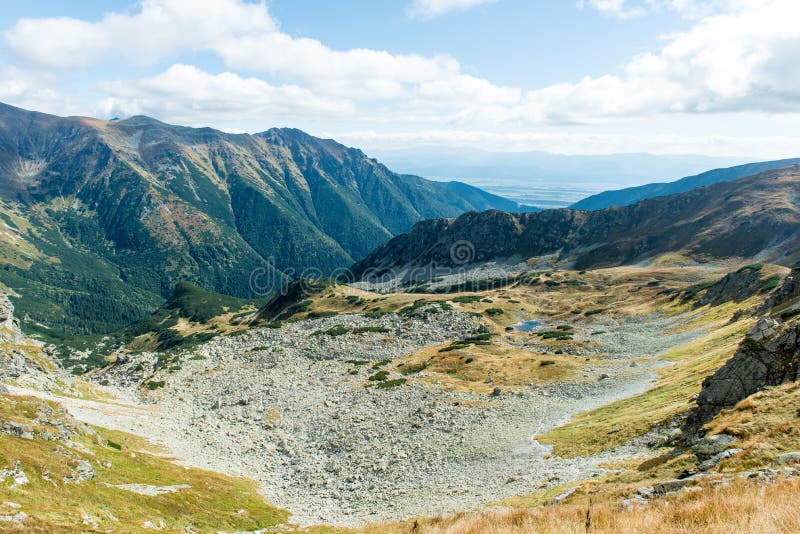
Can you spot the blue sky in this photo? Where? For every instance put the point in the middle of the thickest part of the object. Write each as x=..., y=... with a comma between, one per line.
x=716, y=77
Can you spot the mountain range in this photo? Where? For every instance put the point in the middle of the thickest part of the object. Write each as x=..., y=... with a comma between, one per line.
x=101, y=219
x=631, y=195
x=753, y=217
x=545, y=179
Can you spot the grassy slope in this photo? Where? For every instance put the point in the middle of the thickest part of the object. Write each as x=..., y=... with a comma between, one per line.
x=765, y=423
x=211, y=503
x=742, y=506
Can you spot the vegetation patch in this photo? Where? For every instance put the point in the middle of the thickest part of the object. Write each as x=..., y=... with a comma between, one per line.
x=467, y=299
x=208, y=502
x=391, y=383
x=380, y=376
x=770, y=283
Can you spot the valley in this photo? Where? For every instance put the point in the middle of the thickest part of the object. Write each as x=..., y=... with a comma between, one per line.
x=361, y=408
x=410, y=267
x=210, y=332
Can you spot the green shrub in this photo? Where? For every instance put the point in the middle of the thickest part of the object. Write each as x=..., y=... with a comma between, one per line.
x=153, y=385
x=770, y=283
x=365, y=329
x=335, y=331
x=467, y=299
x=790, y=313
x=380, y=376
x=321, y=314
x=412, y=368
x=391, y=383
x=752, y=267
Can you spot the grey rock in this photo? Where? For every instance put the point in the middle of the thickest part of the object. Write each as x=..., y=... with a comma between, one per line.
x=717, y=459
x=735, y=286
x=19, y=430
x=646, y=491
x=759, y=362
x=712, y=445
x=9, y=325
x=671, y=486
x=764, y=328
x=19, y=518
x=84, y=470
x=558, y=498
x=788, y=458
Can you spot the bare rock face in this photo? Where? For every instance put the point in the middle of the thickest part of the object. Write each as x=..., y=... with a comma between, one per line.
x=769, y=355
x=763, y=329
x=26, y=361
x=788, y=290
x=9, y=325
x=735, y=286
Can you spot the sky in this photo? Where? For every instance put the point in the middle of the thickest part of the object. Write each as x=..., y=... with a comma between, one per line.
x=713, y=77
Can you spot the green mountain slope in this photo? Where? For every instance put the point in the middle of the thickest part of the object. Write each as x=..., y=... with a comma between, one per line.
x=632, y=195
x=103, y=218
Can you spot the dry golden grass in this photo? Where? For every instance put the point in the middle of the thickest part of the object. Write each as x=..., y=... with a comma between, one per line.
x=740, y=507
x=467, y=369
x=767, y=424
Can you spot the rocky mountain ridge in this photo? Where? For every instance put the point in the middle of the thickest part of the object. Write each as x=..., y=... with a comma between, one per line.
x=753, y=217
x=631, y=195
x=100, y=219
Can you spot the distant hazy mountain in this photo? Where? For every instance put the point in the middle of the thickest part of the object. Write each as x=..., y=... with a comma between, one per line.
x=100, y=219
x=624, y=197
x=753, y=217
x=544, y=179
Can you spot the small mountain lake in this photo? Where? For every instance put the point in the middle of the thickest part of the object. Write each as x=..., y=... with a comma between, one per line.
x=527, y=326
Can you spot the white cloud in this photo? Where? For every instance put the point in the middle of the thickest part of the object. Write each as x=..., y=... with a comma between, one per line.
x=739, y=56
x=433, y=8
x=161, y=28
x=363, y=74
x=626, y=9
x=244, y=36
x=736, y=61
x=184, y=93
x=32, y=90
x=763, y=146
x=618, y=8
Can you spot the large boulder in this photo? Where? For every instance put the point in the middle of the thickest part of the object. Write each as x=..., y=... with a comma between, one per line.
x=769, y=355
x=788, y=291
x=9, y=325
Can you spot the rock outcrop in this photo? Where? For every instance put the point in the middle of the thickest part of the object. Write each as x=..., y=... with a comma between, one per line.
x=788, y=291
x=9, y=325
x=769, y=355
x=22, y=360
x=736, y=286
